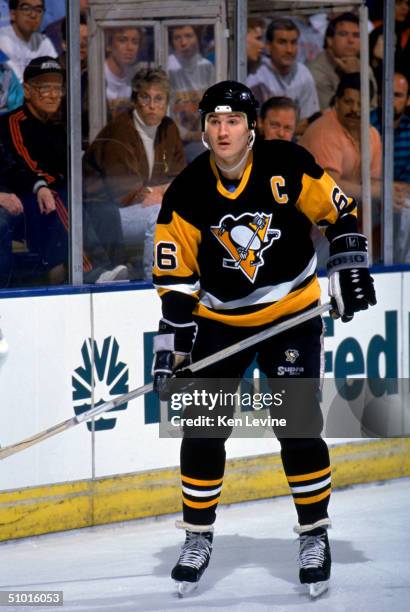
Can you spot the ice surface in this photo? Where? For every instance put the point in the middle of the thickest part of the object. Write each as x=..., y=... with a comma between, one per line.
x=126, y=567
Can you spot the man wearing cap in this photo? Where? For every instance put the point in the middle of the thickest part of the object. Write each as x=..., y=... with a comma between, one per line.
x=37, y=142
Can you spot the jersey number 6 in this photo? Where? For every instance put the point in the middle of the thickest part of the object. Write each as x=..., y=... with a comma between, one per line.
x=166, y=258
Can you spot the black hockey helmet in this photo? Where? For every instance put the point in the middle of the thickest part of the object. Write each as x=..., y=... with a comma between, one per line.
x=228, y=97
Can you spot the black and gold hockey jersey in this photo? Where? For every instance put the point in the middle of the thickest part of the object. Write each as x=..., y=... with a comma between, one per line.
x=242, y=254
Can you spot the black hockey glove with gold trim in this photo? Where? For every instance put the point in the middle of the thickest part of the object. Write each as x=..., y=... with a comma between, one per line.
x=172, y=351
x=350, y=284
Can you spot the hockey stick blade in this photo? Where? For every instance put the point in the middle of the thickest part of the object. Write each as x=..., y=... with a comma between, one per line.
x=7, y=451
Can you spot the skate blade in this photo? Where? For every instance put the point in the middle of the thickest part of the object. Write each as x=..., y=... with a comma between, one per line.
x=317, y=588
x=185, y=588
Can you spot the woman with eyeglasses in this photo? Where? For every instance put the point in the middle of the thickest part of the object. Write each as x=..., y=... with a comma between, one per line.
x=131, y=163
x=22, y=41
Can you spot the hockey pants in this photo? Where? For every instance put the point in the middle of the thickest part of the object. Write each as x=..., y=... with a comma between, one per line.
x=296, y=353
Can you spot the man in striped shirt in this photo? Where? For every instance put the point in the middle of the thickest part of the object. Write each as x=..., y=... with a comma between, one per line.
x=401, y=131
x=401, y=176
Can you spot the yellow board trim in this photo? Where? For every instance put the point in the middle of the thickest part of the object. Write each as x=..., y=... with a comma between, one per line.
x=201, y=483
x=310, y=476
x=200, y=505
x=47, y=508
x=312, y=500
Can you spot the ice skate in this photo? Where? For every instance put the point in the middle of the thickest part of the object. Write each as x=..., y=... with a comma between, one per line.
x=315, y=561
x=193, y=561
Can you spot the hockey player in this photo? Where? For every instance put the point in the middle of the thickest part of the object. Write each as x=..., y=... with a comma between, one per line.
x=233, y=254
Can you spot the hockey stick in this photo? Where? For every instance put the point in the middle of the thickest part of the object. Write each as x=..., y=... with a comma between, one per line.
x=7, y=451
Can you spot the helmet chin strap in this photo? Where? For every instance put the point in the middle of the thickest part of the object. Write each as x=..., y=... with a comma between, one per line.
x=232, y=169
x=205, y=142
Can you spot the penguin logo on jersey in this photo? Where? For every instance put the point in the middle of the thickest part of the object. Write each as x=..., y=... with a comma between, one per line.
x=245, y=238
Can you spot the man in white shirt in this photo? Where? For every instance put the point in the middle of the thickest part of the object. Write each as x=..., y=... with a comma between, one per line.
x=123, y=46
x=190, y=74
x=21, y=40
x=282, y=74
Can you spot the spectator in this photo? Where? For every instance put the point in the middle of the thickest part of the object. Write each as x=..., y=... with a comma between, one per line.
x=255, y=42
x=401, y=28
x=36, y=142
x=282, y=75
x=401, y=128
x=334, y=140
x=312, y=33
x=132, y=161
x=21, y=41
x=123, y=46
x=54, y=29
x=190, y=74
x=376, y=52
x=11, y=92
x=401, y=165
x=278, y=118
x=32, y=139
x=340, y=56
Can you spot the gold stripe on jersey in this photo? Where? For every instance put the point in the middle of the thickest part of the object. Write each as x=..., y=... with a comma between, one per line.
x=312, y=500
x=315, y=196
x=291, y=304
x=310, y=476
x=232, y=195
x=186, y=238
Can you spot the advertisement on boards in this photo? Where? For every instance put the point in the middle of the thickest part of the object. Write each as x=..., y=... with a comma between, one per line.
x=70, y=352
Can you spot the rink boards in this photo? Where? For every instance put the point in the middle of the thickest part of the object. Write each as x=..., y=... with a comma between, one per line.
x=71, y=350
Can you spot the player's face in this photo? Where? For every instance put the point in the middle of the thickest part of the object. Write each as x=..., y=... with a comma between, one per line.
x=27, y=16
x=227, y=135
x=125, y=46
x=401, y=95
x=43, y=94
x=278, y=123
x=284, y=48
x=151, y=104
x=254, y=44
x=348, y=109
x=346, y=40
x=185, y=41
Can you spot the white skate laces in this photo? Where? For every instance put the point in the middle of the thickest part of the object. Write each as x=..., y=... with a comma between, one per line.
x=312, y=551
x=196, y=550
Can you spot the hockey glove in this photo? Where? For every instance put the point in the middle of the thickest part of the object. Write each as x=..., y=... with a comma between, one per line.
x=350, y=284
x=172, y=351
